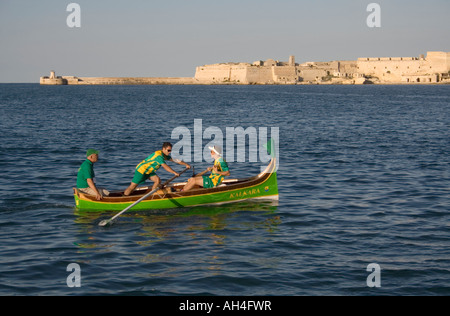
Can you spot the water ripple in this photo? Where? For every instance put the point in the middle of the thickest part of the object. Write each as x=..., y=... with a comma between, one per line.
x=363, y=178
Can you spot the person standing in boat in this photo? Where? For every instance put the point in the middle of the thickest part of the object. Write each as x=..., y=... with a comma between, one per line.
x=218, y=172
x=147, y=168
x=86, y=176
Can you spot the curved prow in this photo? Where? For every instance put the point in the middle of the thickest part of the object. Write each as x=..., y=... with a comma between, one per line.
x=271, y=168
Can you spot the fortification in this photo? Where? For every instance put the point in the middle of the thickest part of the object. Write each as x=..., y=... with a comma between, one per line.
x=434, y=68
x=52, y=79
x=277, y=72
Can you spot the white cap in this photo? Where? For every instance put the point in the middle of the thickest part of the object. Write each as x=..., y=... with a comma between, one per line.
x=217, y=150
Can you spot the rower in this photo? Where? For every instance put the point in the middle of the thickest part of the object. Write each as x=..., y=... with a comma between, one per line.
x=147, y=168
x=86, y=176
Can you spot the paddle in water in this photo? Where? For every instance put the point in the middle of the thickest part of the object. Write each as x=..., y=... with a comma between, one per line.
x=111, y=220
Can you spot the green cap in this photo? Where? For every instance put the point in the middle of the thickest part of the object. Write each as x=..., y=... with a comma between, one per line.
x=91, y=152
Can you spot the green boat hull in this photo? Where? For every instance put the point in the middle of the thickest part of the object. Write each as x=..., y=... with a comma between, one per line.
x=262, y=187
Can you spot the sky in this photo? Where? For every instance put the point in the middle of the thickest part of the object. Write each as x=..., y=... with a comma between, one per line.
x=170, y=38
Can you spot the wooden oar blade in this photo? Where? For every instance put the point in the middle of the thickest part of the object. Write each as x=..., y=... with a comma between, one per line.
x=104, y=223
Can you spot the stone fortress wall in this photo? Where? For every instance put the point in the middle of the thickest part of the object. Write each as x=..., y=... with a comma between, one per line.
x=434, y=68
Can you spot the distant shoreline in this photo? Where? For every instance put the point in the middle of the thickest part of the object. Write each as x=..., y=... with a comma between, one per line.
x=133, y=81
x=234, y=84
x=432, y=69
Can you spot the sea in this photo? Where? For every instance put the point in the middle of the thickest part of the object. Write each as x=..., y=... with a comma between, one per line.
x=363, y=177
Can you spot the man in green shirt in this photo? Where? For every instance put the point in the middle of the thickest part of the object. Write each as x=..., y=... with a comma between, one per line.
x=86, y=176
x=148, y=167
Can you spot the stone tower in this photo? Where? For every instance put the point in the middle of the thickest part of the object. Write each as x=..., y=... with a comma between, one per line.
x=291, y=60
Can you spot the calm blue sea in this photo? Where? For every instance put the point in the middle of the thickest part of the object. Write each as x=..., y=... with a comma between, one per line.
x=364, y=178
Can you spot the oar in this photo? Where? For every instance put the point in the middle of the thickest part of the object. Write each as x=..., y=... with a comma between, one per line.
x=109, y=221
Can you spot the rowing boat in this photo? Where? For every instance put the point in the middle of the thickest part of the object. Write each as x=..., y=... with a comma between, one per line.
x=262, y=186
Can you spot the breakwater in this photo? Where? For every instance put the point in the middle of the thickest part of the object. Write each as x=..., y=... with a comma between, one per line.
x=72, y=80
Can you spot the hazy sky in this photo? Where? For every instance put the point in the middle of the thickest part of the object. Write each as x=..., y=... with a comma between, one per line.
x=148, y=38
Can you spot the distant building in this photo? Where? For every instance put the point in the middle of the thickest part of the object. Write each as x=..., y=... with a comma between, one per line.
x=434, y=68
x=53, y=80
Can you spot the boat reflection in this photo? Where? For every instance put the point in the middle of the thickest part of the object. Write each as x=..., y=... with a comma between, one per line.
x=88, y=216
x=201, y=236
x=160, y=223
